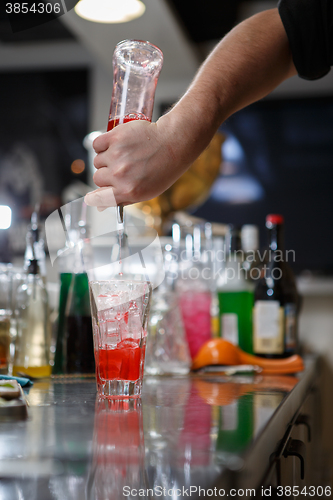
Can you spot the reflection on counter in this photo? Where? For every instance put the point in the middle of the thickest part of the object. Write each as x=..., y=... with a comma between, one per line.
x=184, y=432
x=118, y=450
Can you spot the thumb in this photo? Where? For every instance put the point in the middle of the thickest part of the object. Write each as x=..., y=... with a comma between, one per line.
x=101, y=198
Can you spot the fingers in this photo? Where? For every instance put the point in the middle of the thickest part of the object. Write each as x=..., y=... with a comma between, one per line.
x=103, y=177
x=101, y=143
x=100, y=160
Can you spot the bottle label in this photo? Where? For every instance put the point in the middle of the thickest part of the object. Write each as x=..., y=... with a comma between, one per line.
x=229, y=324
x=290, y=326
x=268, y=327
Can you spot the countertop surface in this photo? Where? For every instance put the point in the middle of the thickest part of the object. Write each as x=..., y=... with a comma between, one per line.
x=183, y=433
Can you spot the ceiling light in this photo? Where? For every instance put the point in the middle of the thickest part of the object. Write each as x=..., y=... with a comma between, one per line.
x=5, y=217
x=110, y=11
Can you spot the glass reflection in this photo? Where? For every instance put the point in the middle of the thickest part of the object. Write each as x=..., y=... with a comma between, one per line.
x=118, y=464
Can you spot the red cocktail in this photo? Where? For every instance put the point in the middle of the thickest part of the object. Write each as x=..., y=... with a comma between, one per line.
x=119, y=317
x=113, y=122
x=123, y=362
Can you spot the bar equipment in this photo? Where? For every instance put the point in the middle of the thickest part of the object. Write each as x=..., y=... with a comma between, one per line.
x=194, y=290
x=136, y=68
x=167, y=349
x=119, y=311
x=74, y=344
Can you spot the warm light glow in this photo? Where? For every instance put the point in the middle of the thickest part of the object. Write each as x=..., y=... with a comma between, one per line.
x=78, y=166
x=5, y=217
x=110, y=11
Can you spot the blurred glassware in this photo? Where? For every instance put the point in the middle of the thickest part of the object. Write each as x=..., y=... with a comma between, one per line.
x=194, y=287
x=5, y=317
x=35, y=245
x=32, y=343
x=250, y=245
x=167, y=349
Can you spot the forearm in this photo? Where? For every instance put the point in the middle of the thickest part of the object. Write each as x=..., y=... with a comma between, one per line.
x=245, y=66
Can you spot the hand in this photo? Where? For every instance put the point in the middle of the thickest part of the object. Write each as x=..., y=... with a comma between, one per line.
x=136, y=160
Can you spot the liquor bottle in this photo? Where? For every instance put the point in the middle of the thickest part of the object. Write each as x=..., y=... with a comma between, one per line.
x=235, y=296
x=66, y=262
x=276, y=299
x=35, y=246
x=250, y=246
x=78, y=336
x=32, y=346
x=74, y=317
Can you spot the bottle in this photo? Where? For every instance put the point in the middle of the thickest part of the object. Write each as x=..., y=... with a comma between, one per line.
x=250, y=247
x=195, y=295
x=35, y=246
x=136, y=67
x=78, y=336
x=74, y=317
x=235, y=296
x=276, y=299
x=32, y=346
x=66, y=262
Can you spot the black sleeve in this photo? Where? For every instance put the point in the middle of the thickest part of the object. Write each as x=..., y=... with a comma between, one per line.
x=309, y=27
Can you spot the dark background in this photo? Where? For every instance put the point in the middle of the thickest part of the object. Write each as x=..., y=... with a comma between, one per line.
x=287, y=149
x=44, y=114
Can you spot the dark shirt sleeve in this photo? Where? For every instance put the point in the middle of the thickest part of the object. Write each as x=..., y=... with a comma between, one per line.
x=309, y=27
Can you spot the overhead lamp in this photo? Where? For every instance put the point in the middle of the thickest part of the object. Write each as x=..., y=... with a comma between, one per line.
x=110, y=11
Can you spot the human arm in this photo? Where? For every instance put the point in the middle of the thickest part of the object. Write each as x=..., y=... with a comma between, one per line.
x=139, y=160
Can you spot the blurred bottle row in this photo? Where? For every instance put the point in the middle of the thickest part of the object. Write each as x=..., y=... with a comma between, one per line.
x=34, y=341
x=215, y=285
x=224, y=286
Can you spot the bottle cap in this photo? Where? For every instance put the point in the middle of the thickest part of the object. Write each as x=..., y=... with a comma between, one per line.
x=275, y=219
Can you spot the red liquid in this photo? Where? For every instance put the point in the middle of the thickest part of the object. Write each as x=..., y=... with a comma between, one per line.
x=125, y=362
x=118, y=448
x=118, y=434
x=128, y=118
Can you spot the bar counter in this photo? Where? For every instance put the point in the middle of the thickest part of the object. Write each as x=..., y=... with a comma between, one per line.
x=211, y=432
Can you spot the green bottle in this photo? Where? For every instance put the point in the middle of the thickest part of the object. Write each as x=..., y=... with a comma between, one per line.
x=78, y=337
x=235, y=296
x=59, y=359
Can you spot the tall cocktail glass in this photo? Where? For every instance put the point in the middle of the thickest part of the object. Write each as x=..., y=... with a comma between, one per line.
x=119, y=311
